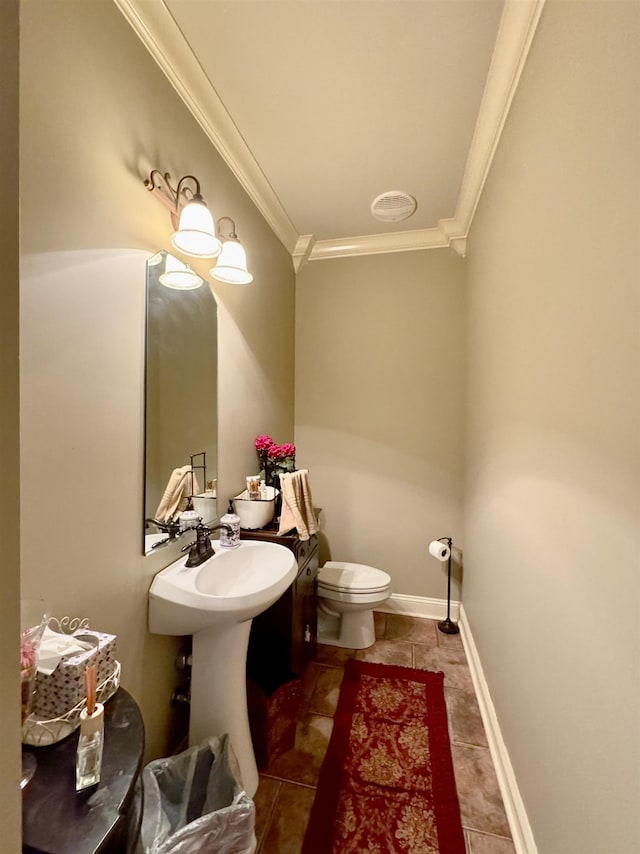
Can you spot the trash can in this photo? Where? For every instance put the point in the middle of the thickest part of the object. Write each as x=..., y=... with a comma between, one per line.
x=194, y=803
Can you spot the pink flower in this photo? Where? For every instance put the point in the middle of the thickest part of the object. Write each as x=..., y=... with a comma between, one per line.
x=263, y=443
x=276, y=452
x=288, y=449
x=27, y=653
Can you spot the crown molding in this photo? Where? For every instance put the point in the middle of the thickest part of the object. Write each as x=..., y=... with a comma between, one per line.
x=159, y=32
x=515, y=34
x=446, y=235
x=302, y=250
x=377, y=244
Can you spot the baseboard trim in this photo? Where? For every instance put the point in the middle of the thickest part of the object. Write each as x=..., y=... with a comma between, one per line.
x=521, y=832
x=436, y=609
x=419, y=606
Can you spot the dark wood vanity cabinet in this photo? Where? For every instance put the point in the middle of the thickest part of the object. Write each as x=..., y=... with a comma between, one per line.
x=284, y=637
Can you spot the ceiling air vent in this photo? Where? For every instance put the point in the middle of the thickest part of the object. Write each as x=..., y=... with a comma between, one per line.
x=393, y=206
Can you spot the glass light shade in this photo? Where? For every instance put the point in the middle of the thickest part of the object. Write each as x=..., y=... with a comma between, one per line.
x=179, y=276
x=232, y=264
x=196, y=232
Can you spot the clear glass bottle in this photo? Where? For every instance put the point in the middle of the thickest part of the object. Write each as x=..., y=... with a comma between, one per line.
x=89, y=752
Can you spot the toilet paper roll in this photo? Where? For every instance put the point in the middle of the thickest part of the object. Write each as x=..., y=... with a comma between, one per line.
x=439, y=550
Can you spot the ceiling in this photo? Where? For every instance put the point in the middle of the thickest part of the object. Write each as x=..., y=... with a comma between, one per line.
x=319, y=106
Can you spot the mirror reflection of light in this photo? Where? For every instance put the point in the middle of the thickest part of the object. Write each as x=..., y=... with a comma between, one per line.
x=179, y=276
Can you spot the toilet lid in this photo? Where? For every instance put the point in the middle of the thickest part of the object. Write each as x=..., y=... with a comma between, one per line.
x=336, y=575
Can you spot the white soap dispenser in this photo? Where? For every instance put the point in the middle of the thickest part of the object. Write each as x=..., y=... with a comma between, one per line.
x=230, y=539
x=189, y=518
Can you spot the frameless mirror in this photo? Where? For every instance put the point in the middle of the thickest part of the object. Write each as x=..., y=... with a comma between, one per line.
x=180, y=395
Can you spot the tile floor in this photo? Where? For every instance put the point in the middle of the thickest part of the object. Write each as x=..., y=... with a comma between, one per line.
x=287, y=786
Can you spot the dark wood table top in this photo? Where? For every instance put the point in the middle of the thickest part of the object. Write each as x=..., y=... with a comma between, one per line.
x=58, y=820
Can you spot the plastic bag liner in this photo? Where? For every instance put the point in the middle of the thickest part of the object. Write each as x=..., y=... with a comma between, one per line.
x=193, y=803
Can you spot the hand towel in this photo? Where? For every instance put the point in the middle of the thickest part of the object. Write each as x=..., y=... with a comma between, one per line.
x=297, y=505
x=182, y=483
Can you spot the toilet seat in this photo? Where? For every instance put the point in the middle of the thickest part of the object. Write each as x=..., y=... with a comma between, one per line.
x=343, y=577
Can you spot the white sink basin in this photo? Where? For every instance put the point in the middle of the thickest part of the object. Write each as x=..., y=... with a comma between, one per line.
x=232, y=586
x=215, y=602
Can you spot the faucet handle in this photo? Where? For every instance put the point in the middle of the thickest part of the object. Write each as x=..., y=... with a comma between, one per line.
x=201, y=532
x=205, y=529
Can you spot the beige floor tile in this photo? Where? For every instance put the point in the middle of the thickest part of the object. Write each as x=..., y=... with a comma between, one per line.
x=285, y=794
x=448, y=641
x=333, y=656
x=483, y=843
x=326, y=692
x=387, y=652
x=380, y=623
x=452, y=662
x=465, y=721
x=285, y=833
x=302, y=763
x=478, y=792
x=310, y=678
x=412, y=629
x=264, y=800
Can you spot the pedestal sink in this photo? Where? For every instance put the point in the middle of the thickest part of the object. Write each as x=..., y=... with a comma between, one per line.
x=215, y=602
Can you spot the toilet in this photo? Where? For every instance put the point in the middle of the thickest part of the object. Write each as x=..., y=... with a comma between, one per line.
x=347, y=596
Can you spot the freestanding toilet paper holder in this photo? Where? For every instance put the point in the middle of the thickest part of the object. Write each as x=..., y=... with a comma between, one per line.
x=448, y=626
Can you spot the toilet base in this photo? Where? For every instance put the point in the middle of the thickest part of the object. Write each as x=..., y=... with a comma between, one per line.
x=355, y=630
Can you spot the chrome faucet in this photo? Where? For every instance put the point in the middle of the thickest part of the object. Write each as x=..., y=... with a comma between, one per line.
x=201, y=549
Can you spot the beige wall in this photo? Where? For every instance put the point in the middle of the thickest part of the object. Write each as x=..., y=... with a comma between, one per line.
x=9, y=434
x=379, y=408
x=97, y=115
x=552, y=426
x=552, y=466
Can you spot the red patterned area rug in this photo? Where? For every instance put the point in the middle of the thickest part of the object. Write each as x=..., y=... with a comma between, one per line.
x=386, y=784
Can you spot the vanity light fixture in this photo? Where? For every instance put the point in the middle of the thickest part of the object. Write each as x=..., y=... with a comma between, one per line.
x=178, y=275
x=193, y=222
x=231, y=266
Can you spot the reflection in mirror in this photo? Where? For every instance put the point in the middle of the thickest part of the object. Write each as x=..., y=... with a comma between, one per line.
x=180, y=404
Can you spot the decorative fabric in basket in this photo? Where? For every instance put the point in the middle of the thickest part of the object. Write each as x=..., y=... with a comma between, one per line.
x=63, y=689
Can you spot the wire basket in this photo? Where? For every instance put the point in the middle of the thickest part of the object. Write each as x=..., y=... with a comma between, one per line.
x=40, y=732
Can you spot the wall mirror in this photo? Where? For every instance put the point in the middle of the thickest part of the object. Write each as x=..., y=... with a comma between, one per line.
x=181, y=422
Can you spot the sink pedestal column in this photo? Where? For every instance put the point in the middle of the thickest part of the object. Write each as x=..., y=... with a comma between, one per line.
x=219, y=693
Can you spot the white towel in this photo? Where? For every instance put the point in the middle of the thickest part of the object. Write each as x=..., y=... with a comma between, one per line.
x=297, y=505
x=182, y=483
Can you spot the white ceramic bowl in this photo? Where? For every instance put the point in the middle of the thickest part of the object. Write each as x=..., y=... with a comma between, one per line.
x=205, y=506
x=255, y=513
